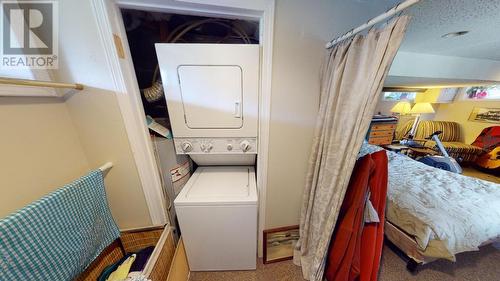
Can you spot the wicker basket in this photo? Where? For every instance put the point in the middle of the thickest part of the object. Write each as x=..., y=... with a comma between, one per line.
x=133, y=241
x=112, y=254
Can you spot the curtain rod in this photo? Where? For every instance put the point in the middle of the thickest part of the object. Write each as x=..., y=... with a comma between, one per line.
x=391, y=12
x=106, y=167
x=38, y=83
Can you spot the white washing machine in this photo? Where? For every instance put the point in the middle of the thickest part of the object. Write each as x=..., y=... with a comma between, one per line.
x=212, y=98
x=217, y=211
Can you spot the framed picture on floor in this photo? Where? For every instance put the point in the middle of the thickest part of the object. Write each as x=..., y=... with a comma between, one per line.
x=483, y=114
x=279, y=243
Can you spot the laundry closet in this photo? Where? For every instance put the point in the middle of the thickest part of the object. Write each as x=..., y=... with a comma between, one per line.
x=199, y=80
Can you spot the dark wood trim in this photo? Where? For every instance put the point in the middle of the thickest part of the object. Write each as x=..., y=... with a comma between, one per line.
x=142, y=229
x=403, y=89
x=264, y=244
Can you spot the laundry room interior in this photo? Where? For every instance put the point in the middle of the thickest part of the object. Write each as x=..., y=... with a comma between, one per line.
x=147, y=30
x=221, y=140
x=210, y=67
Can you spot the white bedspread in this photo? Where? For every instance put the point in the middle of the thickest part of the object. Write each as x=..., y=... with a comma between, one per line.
x=458, y=211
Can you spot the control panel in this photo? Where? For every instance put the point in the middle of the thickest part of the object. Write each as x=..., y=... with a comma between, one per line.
x=215, y=145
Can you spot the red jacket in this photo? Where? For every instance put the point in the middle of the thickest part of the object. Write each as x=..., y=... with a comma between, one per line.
x=356, y=247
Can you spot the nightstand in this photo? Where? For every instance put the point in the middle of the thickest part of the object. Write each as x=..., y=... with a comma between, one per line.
x=381, y=133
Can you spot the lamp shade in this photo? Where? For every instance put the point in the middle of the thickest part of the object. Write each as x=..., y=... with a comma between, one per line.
x=422, y=107
x=402, y=107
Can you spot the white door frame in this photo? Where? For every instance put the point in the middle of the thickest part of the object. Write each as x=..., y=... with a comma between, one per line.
x=110, y=25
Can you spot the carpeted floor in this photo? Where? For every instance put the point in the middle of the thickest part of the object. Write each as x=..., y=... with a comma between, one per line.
x=473, y=266
x=477, y=266
x=280, y=271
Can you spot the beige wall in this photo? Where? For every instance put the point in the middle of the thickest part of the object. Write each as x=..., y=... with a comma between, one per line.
x=301, y=30
x=100, y=127
x=48, y=142
x=39, y=150
x=96, y=115
x=459, y=111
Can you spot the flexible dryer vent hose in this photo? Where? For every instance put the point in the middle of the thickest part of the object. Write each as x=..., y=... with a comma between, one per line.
x=156, y=92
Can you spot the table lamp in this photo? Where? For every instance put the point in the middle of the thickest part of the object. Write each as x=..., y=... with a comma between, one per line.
x=402, y=107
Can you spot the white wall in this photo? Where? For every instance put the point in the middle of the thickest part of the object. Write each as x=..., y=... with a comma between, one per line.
x=49, y=142
x=39, y=150
x=301, y=30
x=95, y=112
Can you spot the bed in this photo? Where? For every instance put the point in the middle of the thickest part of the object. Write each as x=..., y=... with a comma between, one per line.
x=435, y=214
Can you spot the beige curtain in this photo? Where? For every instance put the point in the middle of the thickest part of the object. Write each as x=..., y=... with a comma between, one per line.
x=352, y=80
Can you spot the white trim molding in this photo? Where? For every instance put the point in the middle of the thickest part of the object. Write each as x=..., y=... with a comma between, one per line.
x=128, y=96
x=266, y=39
x=110, y=22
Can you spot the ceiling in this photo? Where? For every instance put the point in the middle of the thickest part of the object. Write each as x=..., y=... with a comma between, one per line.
x=425, y=82
x=434, y=18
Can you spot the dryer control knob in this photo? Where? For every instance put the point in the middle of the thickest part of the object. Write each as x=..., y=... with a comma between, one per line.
x=245, y=146
x=229, y=147
x=206, y=147
x=209, y=147
x=186, y=146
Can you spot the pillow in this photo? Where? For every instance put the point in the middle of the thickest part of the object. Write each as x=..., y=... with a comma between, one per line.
x=367, y=148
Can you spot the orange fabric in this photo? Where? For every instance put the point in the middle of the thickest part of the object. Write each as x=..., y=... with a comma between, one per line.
x=343, y=263
x=373, y=233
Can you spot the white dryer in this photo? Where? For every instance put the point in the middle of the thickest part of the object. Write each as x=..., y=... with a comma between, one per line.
x=212, y=93
x=217, y=211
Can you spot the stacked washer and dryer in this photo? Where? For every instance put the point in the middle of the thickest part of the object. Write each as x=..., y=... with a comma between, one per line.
x=212, y=99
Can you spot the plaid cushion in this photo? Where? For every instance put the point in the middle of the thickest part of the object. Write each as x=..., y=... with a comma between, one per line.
x=450, y=130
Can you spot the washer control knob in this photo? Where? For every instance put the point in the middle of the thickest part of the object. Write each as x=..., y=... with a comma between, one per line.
x=245, y=146
x=186, y=146
x=229, y=147
x=206, y=147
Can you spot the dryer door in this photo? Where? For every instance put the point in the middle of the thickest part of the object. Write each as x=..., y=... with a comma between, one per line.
x=212, y=90
x=211, y=95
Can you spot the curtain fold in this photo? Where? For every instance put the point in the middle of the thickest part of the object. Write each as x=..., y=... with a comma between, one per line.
x=352, y=79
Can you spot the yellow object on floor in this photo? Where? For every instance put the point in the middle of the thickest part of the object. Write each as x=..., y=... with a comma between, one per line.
x=122, y=271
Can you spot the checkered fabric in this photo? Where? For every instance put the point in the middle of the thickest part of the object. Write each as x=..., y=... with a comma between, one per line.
x=58, y=236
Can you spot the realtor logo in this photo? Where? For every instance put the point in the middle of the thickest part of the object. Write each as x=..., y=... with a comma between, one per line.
x=30, y=35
